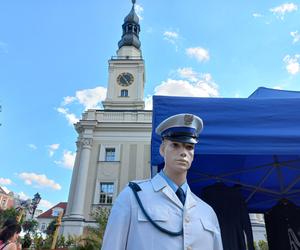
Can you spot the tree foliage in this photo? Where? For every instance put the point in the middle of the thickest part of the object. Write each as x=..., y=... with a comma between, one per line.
x=261, y=245
x=51, y=227
x=30, y=226
x=93, y=236
x=8, y=213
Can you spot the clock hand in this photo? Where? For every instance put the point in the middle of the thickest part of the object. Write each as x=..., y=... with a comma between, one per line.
x=124, y=78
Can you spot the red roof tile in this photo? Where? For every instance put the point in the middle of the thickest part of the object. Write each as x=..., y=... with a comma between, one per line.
x=48, y=213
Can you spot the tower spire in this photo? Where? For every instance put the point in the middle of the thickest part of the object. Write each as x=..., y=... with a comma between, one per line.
x=131, y=29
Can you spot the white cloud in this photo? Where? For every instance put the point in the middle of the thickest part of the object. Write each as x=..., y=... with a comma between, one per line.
x=3, y=48
x=5, y=181
x=256, y=15
x=52, y=148
x=32, y=146
x=68, y=100
x=91, y=98
x=67, y=160
x=139, y=11
x=296, y=36
x=45, y=205
x=173, y=87
x=23, y=196
x=195, y=85
x=199, y=53
x=172, y=37
x=292, y=64
x=171, y=34
x=39, y=180
x=71, y=118
x=282, y=9
x=188, y=73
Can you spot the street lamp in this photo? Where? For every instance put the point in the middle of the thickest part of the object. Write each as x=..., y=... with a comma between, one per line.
x=34, y=203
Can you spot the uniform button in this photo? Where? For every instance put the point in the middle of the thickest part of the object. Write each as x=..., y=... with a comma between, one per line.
x=189, y=248
x=187, y=219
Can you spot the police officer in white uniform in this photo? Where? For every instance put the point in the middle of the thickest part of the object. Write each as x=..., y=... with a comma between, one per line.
x=162, y=213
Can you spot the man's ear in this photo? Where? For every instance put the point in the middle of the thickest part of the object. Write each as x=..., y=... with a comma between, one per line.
x=162, y=149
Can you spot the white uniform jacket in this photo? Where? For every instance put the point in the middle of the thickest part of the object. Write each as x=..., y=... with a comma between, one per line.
x=128, y=228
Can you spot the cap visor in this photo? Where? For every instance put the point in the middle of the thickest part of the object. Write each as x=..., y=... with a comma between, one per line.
x=183, y=139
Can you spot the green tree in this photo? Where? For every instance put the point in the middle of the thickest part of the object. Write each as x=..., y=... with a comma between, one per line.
x=51, y=228
x=93, y=236
x=8, y=213
x=263, y=245
x=30, y=226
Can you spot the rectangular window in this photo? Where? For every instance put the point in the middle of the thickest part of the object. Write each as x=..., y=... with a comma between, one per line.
x=124, y=93
x=110, y=154
x=55, y=213
x=3, y=203
x=106, y=192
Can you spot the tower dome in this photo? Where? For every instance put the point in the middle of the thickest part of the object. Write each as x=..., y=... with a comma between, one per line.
x=131, y=29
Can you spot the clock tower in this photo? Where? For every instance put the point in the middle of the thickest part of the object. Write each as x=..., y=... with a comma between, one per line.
x=126, y=70
x=113, y=145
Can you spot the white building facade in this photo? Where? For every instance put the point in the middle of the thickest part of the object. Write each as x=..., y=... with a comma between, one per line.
x=113, y=144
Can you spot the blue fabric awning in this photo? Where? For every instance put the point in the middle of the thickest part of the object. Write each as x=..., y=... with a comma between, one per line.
x=252, y=142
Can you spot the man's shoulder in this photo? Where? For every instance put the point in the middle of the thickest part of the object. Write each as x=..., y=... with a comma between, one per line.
x=202, y=204
x=143, y=184
x=141, y=181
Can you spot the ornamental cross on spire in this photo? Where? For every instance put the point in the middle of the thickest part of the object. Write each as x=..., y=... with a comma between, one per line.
x=133, y=2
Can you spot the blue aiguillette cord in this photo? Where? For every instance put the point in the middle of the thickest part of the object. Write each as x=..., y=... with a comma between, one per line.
x=136, y=188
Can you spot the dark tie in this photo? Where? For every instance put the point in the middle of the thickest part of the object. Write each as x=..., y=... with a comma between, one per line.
x=181, y=195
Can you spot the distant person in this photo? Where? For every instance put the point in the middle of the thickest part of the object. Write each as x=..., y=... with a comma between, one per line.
x=9, y=235
x=162, y=213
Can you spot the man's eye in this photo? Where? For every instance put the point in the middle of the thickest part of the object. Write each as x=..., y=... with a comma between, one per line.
x=175, y=145
x=189, y=147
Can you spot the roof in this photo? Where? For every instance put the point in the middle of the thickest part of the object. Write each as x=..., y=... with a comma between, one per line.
x=2, y=191
x=263, y=92
x=48, y=213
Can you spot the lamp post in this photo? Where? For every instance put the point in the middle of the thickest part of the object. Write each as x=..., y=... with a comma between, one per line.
x=34, y=203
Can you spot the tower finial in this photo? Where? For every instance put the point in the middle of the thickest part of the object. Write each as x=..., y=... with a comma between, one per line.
x=131, y=29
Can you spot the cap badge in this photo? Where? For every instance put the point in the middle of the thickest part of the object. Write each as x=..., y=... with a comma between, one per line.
x=188, y=119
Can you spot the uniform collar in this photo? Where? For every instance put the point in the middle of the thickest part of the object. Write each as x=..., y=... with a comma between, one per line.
x=172, y=184
x=159, y=183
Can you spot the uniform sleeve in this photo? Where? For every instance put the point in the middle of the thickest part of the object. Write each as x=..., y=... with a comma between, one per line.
x=218, y=242
x=218, y=245
x=118, y=225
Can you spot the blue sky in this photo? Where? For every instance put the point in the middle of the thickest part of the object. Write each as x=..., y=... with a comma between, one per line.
x=53, y=65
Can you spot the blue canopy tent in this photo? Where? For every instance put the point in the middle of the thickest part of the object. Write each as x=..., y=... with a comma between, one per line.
x=252, y=142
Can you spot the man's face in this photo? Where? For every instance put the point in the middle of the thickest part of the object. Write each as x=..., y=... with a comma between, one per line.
x=178, y=156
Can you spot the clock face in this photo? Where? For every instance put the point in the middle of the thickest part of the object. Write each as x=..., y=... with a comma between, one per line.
x=125, y=79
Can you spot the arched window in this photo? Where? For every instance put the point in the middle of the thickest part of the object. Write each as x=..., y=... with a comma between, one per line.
x=124, y=92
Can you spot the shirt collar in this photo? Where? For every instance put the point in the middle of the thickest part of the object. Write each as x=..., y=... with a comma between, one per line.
x=172, y=184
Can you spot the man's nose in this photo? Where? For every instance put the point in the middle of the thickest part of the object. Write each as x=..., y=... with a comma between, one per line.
x=183, y=152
